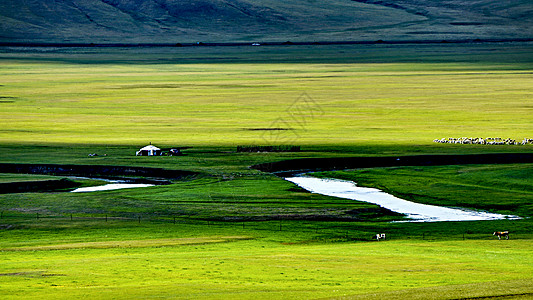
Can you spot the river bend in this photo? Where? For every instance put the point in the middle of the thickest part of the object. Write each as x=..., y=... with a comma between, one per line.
x=415, y=211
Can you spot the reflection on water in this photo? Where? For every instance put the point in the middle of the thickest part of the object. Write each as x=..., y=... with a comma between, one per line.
x=416, y=211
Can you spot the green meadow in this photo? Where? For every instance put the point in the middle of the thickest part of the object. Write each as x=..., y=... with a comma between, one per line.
x=168, y=100
x=235, y=232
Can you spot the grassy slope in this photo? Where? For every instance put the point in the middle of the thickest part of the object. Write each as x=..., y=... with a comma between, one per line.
x=305, y=259
x=267, y=20
x=185, y=21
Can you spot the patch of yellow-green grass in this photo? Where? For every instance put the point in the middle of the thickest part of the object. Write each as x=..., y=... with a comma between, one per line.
x=221, y=104
x=259, y=269
x=23, y=177
x=501, y=289
x=131, y=243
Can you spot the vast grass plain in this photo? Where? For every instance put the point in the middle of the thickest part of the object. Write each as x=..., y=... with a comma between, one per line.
x=173, y=96
x=235, y=232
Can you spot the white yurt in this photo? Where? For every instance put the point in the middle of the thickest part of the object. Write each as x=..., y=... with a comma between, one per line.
x=149, y=150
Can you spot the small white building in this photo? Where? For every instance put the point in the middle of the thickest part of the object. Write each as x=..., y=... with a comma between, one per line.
x=149, y=150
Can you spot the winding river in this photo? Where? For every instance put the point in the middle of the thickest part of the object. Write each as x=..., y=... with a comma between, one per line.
x=416, y=211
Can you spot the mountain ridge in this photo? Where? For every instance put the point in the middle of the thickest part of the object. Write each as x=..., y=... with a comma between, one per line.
x=187, y=21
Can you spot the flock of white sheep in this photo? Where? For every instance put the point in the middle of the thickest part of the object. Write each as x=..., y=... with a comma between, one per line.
x=483, y=141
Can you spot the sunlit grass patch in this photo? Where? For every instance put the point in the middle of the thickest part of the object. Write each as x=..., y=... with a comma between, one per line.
x=198, y=104
x=23, y=177
x=263, y=269
x=131, y=243
x=501, y=289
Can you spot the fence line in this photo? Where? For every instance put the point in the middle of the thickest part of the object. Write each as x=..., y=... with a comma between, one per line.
x=341, y=231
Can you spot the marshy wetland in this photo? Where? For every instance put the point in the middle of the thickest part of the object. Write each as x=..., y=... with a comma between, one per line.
x=227, y=230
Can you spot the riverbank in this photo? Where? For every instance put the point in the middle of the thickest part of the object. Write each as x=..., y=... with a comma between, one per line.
x=305, y=165
x=139, y=175
x=503, y=188
x=38, y=186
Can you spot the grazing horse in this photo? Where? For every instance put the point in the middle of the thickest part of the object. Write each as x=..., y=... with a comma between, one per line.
x=380, y=236
x=501, y=233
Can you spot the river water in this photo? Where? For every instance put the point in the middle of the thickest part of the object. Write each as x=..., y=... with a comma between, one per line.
x=415, y=211
x=112, y=185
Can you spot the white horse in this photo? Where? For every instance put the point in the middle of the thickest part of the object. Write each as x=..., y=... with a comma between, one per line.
x=380, y=236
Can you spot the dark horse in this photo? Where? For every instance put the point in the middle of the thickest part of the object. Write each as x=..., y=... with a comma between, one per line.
x=501, y=233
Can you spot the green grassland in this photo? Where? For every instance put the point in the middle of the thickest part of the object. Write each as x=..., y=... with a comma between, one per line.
x=235, y=232
x=255, y=269
x=170, y=103
x=121, y=260
x=23, y=177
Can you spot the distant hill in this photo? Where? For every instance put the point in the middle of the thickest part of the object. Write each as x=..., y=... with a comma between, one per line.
x=181, y=21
